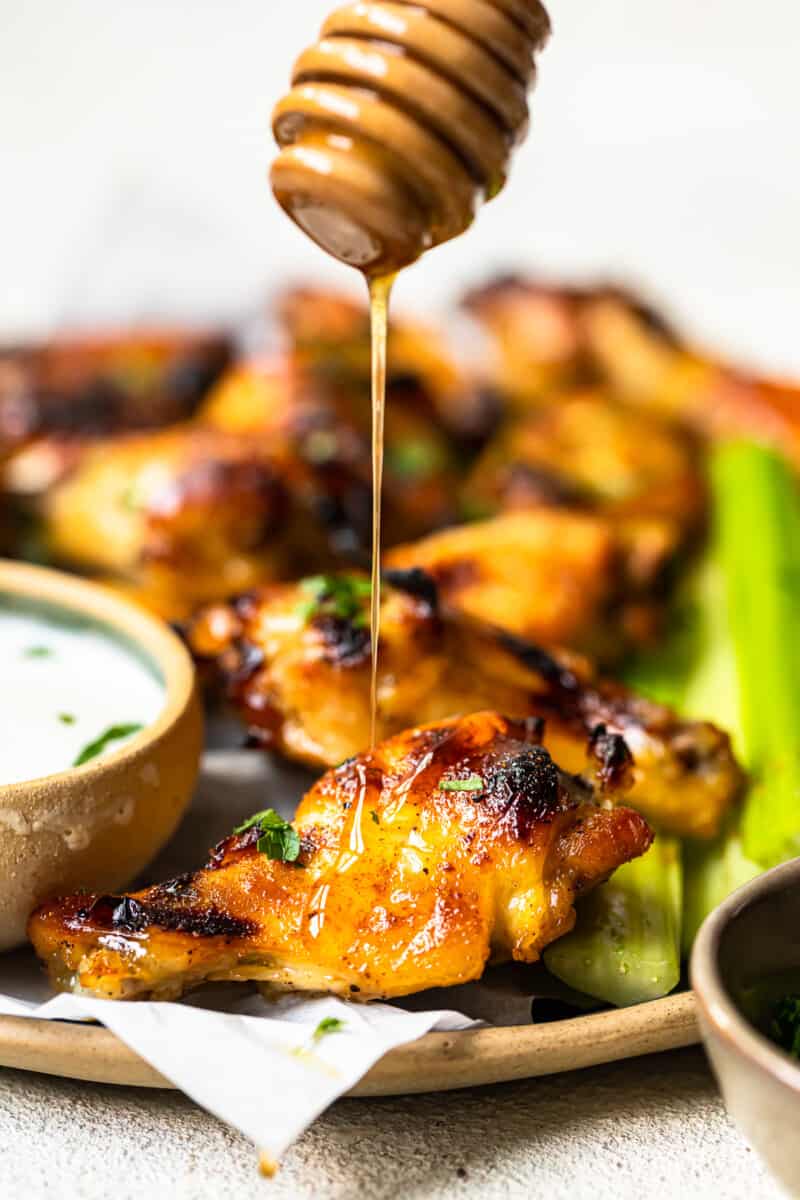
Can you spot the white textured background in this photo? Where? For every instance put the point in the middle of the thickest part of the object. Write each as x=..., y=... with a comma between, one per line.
x=134, y=141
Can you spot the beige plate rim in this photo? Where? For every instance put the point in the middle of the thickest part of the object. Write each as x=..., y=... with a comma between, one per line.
x=437, y=1062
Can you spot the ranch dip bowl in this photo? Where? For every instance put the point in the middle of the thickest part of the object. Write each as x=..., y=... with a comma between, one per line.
x=100, y=739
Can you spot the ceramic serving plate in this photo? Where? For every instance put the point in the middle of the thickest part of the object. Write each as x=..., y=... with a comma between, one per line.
x=234, y=783
x=437, y=1062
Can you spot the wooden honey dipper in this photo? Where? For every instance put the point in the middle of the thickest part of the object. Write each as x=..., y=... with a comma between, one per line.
x=401, y=120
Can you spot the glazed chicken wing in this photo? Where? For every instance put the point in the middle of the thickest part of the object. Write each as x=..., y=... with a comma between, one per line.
x=189, y=514
x=548, y=340
x=533, y=333
x=90, y=385
x=445, y=848
x=593, y=455
x=176, y=514
x=328, y=334
x=652, y=371
x=323, y=421
x=294, y=660
x=562, y=577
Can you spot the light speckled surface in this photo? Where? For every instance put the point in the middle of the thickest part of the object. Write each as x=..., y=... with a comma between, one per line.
x=654, y=1127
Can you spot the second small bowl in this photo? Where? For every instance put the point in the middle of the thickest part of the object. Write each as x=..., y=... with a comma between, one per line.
x=748, y=944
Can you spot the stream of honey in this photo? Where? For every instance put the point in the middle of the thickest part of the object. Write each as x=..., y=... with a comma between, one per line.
x=380, y=288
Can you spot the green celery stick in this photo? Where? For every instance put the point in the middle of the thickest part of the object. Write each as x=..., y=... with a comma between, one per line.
x=711, y=871
x=758, y=533
x=746, y=678
x=625, y=947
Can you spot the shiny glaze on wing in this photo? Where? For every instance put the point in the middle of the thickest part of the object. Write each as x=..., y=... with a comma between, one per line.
x=401, y=884
x=299, y=679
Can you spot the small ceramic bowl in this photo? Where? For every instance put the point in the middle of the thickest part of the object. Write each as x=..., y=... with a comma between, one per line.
x=96, y=826
x=752, y=938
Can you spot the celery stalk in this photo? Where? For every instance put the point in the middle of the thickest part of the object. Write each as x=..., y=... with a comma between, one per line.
x=758, y=531
x=625, y=947
x=711, y=871
x=746, y=678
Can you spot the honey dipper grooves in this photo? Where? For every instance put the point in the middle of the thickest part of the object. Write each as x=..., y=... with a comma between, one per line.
x=401, y=120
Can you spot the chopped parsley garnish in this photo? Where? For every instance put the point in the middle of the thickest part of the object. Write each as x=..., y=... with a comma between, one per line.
x=339, y=596
x=472, y=783
x=473, y=509
x=38, y=652
x=413, y=458
x=327, y=1025
x=278, y=839
x=67, y=718
x=374, y=816
x=129, y=498
x=112, y=734
x=785, y=1024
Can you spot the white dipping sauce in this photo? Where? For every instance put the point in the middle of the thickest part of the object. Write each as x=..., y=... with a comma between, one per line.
x=62, y=687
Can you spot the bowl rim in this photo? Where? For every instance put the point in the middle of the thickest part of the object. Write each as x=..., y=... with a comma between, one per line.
x=715, y=1002
x=106, y=606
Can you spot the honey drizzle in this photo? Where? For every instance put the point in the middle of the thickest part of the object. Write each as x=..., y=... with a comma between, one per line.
x=380, y=288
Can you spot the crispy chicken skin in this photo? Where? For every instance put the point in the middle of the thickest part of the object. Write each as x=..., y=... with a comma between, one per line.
x=323, y=420
x=95, y=384
x=558, y=576
x=298, y=675
x=178, y=514
x=590, y=453
x=327, y=333
x=549, y=339
x=402, y=884
x=189, y=514
x=533, y=330
x=653, y=371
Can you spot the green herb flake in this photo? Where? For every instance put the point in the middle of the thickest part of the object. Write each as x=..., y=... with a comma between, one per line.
x=38, y=652
x=67, y=718
x=113, y=734
x=129, y=499
x=327, y=1025
x=339, y=596
x=374, y=816
x=278, y=839
x=414, y=458
x=785, y=1024
x=472, y=783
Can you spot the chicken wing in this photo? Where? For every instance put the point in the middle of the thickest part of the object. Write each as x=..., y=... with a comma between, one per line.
x=548, y=340
x=186, y=515
x=406, y=868
x=328, y=334
x=90, y=385
x=323, y=419
x=542, y=343
x=593, y=455
x=653, y=371
x=294, y=661
x=561, y=577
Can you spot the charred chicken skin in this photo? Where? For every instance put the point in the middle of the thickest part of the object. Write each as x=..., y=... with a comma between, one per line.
x=593, y=455
x=445, y=848
x=188, y=514
x=327, y=333
x=323, y=420
x=294, y=661
x=93, y=385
